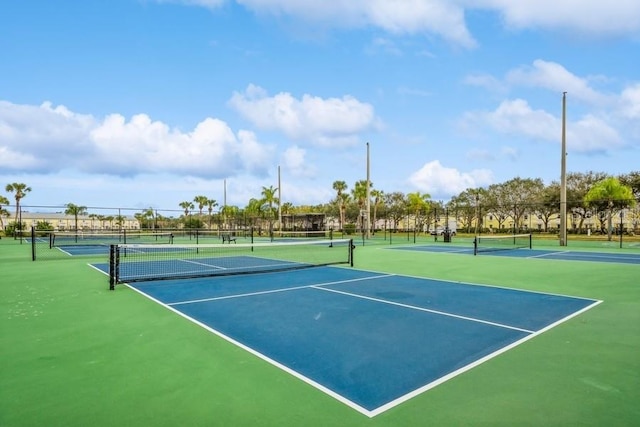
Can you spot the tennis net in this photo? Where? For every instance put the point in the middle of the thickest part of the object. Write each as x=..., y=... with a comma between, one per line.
x=501, y=243
x=134, y=263
x=107, y=239
x=283, y=236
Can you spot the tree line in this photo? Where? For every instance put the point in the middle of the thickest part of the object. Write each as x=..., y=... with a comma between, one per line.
x=590, y=194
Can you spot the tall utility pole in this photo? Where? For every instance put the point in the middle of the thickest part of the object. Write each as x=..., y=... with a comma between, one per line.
x=368, y=225
x=279, y=201
x=563, y=175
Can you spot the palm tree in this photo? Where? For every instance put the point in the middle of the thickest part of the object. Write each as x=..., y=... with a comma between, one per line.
x=340, y=187
x=359, y=194
x=254, y=211
x=3, y=211
x=377, y=198
x=75, y=210
x=21, y=190
x=269, y=198
x=211, y=203
x=609, y=193
x=93, y=217
x=202, y=202
x=187, y=206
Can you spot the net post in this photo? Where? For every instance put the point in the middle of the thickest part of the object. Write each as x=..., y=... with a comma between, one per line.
x=351, y=248
x=475, y=245
x=114, y=266
x=530, y=240
x=33, y=243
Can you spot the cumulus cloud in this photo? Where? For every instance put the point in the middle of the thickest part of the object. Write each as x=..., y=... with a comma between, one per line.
x=630, y=102
x=46, y=139
x=296, y=164
x=516, y=117
x=324, y=122
x=446, y=19
x=409, y=17
x=440, y=181
x=555, y=77
x=589, y=17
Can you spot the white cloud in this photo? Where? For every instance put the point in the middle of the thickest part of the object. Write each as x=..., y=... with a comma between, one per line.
x=555, y=77
x=486, y=81
x=45, y=139
x=440, y=181
x=325, y=122
x=630, y=102
x=446, y=19
x=518, y=119
x=440, y=17
x=589, y=17
x=295, y=163
x=210, y=4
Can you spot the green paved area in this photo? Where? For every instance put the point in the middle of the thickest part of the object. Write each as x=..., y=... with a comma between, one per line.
x=74, y=353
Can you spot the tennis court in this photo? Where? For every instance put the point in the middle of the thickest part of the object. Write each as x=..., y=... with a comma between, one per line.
x=370, y=340
x=77, y=352
x=520, y=246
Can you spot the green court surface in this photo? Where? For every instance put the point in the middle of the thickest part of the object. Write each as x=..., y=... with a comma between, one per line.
x=74, y=353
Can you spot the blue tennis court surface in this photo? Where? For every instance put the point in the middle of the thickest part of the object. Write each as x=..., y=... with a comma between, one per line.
x=368, y=339
x=567, y=255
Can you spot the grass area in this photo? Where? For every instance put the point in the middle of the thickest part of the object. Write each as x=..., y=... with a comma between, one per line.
x=74, y=354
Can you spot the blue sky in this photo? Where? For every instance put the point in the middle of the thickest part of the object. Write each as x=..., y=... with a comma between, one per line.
x=147, y=103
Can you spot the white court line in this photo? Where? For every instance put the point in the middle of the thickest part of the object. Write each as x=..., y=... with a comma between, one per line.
x=272, y=291
x=215, y=267
x=573, y=255
x=413, y=307
x=549, y=254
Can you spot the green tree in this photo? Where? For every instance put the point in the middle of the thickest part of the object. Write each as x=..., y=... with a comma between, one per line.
x=378, y=199
x=20, y=191
x=44, y=226
x=187, y=206
x=610, y=194
x=578, y=184
x=255, y=211
x=75, y=210
x=287, y=208
x=269, y=199
x=3, y=212
x=340, y=187
x=396, y=203
x=419, y=206
x=211, y=203
x=359, y=194
x=632, y=180
x=201, y=201
x=464, y=207
x=547, y=203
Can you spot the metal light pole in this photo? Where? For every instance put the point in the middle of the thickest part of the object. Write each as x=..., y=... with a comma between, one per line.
x=563, y=175
x=621, y=218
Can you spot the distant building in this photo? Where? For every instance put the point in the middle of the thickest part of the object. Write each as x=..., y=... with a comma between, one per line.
x=63, y=222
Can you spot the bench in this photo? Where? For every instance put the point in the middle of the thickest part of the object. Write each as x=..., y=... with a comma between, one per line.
x=228, y=238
